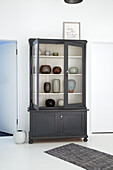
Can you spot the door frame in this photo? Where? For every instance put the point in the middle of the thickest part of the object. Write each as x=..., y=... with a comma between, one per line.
x=17, y=82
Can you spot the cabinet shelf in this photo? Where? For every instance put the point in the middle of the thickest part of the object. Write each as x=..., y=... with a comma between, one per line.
x=59, y=57
x=58, y=74
x=51, y=74
x=57, y=93
x=50, y=93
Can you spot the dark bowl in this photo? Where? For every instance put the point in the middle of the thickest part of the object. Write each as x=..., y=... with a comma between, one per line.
x=50, y=103
x=45, y=69
x=57, y=70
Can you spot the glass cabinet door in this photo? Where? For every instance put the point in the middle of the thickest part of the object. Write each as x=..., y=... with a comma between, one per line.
x=51, y=75
x=34, y=74
x=74, y=76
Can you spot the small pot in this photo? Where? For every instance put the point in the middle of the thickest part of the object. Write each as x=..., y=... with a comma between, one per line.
x=60, y=102
x=19, y=136
x=47, y=87
x=50, y=103
x=73, y=70
x=57, y=70
x=45, y=69
x=71, y=85
x=47, y=52
x=55, y=54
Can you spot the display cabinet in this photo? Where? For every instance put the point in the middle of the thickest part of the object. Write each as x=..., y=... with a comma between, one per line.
x=57, y=89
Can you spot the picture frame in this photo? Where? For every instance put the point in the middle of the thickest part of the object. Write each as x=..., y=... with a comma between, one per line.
x=71, y=30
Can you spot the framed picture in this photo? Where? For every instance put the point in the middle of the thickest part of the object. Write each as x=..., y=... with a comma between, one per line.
x=71, y=30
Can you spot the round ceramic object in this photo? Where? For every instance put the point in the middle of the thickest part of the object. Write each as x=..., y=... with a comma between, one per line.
x=50, y=103
x=73, y=70
x=71, y=85
x=56, y=85
x=57, y=70
x=55, y=54
x=45, y=69
x=60, y=102
x=47, y=52
x=47, y=87
x=19, y=136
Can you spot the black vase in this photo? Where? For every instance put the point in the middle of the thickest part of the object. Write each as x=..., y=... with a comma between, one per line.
x=47, y=87
x=50, y=103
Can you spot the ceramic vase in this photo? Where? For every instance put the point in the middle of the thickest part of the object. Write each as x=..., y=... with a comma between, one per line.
x=56, y=85
x=55, y=54
x=47, y=52
x=47, y=87
x=73, y=70
x=71, y=85
x=45, y=69
x=50, y=103
x=60, y=102
x=57, y=70
x=19, y=136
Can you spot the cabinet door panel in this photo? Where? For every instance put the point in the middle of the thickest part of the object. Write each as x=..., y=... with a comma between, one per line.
x=34, y=75
x=73, y=123
x=43, y=124
x=74, y=74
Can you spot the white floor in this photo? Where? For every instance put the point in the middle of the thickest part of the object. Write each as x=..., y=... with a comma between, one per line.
x=32, y=157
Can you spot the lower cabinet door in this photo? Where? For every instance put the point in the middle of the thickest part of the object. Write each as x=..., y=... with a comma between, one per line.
x=43, y=124
x=73, y=123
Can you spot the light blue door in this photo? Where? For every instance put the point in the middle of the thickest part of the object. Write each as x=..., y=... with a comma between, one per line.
x=8, y=86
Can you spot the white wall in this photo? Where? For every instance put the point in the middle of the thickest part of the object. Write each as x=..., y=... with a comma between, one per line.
x=23, y=19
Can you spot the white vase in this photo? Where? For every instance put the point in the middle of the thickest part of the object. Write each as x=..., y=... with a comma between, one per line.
x=56, y=85
x=60, y=102
x=19, y=136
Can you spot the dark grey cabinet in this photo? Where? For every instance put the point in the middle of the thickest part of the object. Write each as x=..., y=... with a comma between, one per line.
x=68, y=117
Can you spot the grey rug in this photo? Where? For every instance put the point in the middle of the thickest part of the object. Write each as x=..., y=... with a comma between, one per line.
x=84, y=157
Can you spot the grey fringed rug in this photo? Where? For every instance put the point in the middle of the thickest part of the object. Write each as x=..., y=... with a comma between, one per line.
x=84, y=157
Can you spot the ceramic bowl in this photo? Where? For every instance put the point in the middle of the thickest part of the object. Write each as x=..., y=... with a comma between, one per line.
x=57, y=70
x=50, y=103
x=45, y=69
x=73, y=70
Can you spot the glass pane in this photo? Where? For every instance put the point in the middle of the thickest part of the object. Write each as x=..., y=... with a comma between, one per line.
x=51, y=75
x=74, y=74
x=34, y=73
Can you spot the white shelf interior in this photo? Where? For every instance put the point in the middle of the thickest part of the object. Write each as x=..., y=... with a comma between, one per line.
x=74, y=60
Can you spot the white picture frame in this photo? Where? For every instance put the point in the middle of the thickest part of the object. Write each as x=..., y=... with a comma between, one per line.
x=71, y=30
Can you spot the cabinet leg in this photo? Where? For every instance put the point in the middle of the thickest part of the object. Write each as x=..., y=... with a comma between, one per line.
x=86, y=139
x=30, y=141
